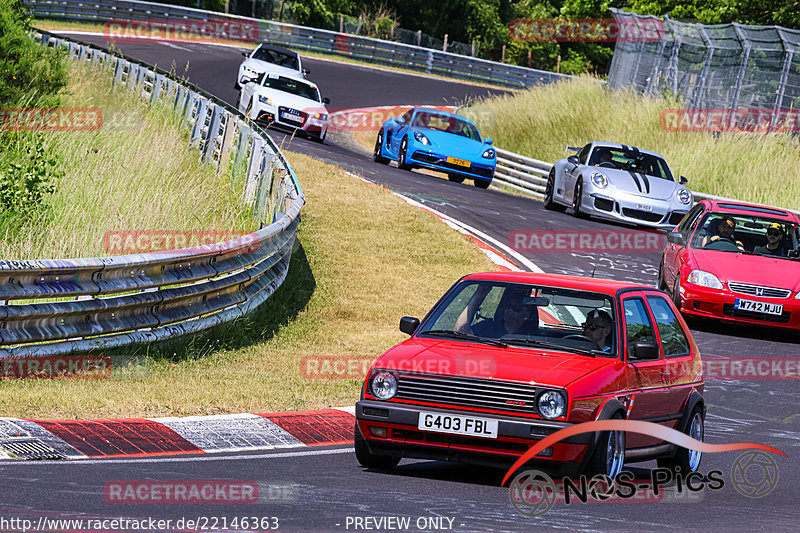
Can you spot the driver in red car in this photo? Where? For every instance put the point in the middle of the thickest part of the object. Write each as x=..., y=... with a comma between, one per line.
x=724, y=232
x=598, y=327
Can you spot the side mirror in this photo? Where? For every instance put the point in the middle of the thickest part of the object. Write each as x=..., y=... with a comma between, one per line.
x=400, y=120
x=644, y=351
x=683, y=180
x=306, y=72
x=246, y=53
x=574, y=160
x=326, y=100
x=409, y=324
x=487, y=140
x=675, y=237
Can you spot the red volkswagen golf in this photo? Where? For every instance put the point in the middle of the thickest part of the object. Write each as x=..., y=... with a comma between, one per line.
x=735, y=261
x=505, y=359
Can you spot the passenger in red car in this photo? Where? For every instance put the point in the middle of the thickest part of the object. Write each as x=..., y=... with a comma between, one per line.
x=774, y=244
x=598, y=327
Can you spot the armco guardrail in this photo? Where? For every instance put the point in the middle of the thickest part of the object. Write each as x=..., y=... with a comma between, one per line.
x=304, y=38
x=108, y=302
x=529, y=176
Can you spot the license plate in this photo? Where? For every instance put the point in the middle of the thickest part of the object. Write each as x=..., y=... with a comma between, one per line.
x=758, y=307
x=643, y=207
x=291, y=118
x=458, y=425
x=459, y=162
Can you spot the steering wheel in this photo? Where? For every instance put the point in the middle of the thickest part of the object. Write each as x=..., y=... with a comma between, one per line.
x=722, y=245
x=607, y=164
x=579, y=337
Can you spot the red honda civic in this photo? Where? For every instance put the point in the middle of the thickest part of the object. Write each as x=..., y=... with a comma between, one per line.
x=505, y=359
x=735, y=261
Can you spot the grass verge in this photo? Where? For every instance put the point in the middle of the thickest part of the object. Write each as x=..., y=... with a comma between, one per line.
x=364, y=259
x=539, y=122
x=136, y=172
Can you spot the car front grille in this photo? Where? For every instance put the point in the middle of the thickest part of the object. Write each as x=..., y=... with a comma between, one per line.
x=675, y=217
x=641, y=215
x=486, y=172
x=729, y=310
x=758, y=290
x=467, y=392
x=604, y=204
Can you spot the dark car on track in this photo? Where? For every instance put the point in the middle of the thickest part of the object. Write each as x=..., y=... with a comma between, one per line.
x=505, y=359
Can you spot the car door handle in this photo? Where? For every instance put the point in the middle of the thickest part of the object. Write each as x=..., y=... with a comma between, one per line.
x=664, y=375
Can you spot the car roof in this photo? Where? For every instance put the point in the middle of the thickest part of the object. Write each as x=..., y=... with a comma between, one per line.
x=440, y=112
x=278, y=49
x=604, y=286
x=624, y=147
x=734, y=207
x=289, y=73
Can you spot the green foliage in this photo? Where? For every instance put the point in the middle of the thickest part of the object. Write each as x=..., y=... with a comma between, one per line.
x=27, y=175
x=29, y=73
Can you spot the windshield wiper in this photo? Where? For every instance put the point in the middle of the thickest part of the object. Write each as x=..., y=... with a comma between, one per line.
x=464, y=336
x=551, y=345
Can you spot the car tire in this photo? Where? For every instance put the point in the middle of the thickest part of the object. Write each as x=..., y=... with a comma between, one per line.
x=456, y=178
x=376, y=153
x=577, y=199
x=401, y=157
x=238, y=99
x=549, y=189
x=481, y=183
x=366, y=458
x=320, y=137
x=685, y=459
x=608, y=457
x=662, y=284
x=676, y=292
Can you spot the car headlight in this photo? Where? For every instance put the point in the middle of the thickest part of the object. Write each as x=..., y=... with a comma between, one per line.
x=264, y=99
x=421, y=138
x=489, y=153
x=599, y=179
x=321, y=116
x=797, y=296
x=683, y=196
x=705, y=279
x=383, y=385
x=551, y=404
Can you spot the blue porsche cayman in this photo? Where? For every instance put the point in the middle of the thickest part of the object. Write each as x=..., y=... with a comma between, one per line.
x=429, y=138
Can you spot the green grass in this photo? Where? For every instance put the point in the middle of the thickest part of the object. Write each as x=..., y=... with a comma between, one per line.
x=541, y=121
x=137, y=172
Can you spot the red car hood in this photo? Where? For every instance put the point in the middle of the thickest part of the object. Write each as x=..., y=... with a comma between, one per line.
x=522, y=365
x=753, y=269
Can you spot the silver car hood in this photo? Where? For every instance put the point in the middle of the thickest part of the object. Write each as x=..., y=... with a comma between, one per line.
x=638, y=183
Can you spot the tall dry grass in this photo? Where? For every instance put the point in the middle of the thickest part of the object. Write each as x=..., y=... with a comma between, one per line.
x=541, y=121
x=137, y=172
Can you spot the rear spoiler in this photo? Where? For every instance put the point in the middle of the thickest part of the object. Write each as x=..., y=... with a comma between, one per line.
x=572, y=149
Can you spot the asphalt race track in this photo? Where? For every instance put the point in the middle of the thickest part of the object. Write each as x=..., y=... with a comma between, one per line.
x=324, y=489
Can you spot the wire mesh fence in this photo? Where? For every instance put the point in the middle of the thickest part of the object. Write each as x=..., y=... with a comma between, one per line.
x=726, y=66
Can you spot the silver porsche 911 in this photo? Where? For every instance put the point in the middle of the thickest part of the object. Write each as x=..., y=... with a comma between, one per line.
x=618, y=182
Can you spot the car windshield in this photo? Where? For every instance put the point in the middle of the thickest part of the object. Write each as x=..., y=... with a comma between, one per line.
x=738, y=233
x=448, y=123
x=531, y=316
x=288, y=85
x=633, y=160
x=275, y=57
